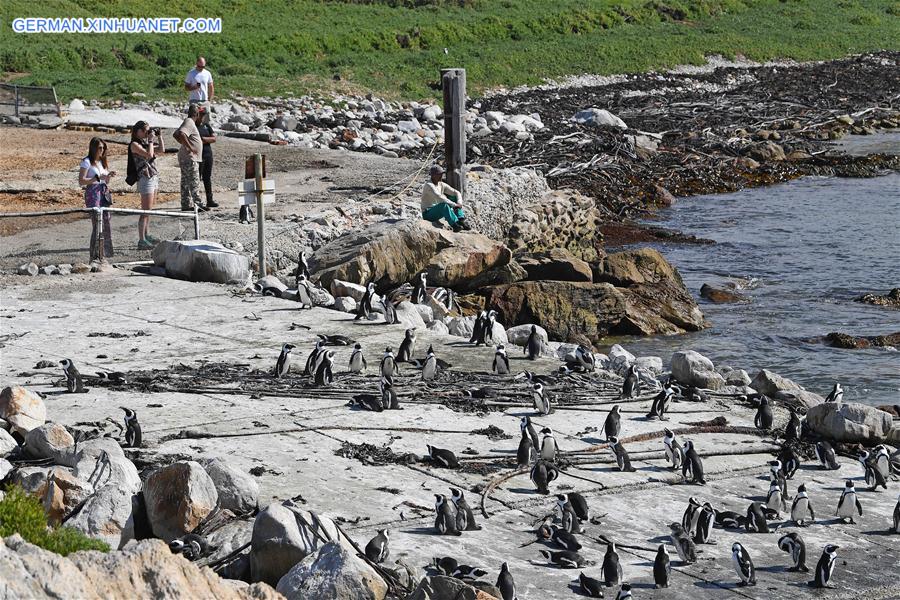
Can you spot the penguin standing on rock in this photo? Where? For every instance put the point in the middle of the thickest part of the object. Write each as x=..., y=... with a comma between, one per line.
x=525, y=454
x=74, y=383
x=542, y=474
x=705, y=521
x=487, y=332
x=388, y=395
x=133, y=436
x=357, y=360
x=793, y=429
x=478, y=328
x=313, y=358
x=465, y=518
x=743, y=564
x=662, y=568
x=548, y=445
x=691, y=515
x=325, y=370
x=674, y=451
x=533, y=344
x=836, y=394
x=801, y=508
x=283, y=364
x=390, y=312
x=525, y=425
x=304, y=295
x=871, y=473
x=590, y=587
x=585, y=359
x=826, y=455
x=612, y=425
x=683, y=543
x=442, y=457
x=692, y=464
x=567, y=516
x=540, y=400
x=611, y=568
x=775, y=500
x=624, y=592
x=364, y=308
x=793, y=544
x=419, y=293
x=764, y=418
x=429, y=368
x=407, y=346
x=661, y=402
x=849, y=504
x=444, y=521
x=302, y=267
x=622, y=459
x=505, y=584
x=631, y=387
x=825, y=567
x=500, y=365
x=377, y=549
x=564, y=539
x=579, y=505
x=756, y=518
x=389, y=366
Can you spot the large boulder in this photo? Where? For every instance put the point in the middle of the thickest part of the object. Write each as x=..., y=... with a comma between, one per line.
x=462, y=326
x=6, y=468
x=556, y=264
x=178, y=497
x=558, y=219
x=518, y=335
x=147, y=569
x=569, y=311
x=441, y=587
x=850, y=422
x=511, y=272
x=720, y=295
x=50, y=440
x=769, y=383
x=7, y=443
x=283, y=535
x=408, y=315
x=643, y=265
x=391, y=253
x=107, y=515
x=102, y=461
x=345, y=288
x=334, y=573
x=692, y=368
x=599, y=117
x=22, y=409
x=201, y=260
x=237, y=491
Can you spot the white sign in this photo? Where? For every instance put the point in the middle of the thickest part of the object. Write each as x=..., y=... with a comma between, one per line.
x=247, y=192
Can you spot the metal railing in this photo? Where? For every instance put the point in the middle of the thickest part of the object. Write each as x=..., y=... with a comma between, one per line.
x=29, y=99
x=99, y=210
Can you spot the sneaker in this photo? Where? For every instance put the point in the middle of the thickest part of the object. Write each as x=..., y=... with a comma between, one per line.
x=151, y=239
x=145, y=245
x=212, y=204
x=456, y=228
x=201, y=208
x=187, y=209
x=464, y=225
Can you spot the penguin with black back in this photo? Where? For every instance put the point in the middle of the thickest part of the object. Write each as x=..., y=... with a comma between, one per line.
x=74, y=382
x=764, y=417
x=419, y=293
x=283, y=364
x=133, y=437
x=364, y=308
x=533, y=345
x=825, y=567
x=407, y=346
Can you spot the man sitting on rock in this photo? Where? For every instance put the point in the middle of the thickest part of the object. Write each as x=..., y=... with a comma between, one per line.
x=440, y=201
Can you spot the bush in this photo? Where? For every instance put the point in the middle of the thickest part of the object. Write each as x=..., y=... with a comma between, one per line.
x=22, y=513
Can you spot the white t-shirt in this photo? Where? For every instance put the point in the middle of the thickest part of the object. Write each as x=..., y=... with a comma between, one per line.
x=92, y=169
x=204, y=78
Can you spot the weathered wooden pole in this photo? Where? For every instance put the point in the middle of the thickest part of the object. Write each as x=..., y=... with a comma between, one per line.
x=453, y=84
x=260, y=214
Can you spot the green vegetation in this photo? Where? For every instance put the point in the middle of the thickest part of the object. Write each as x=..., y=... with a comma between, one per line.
x=396, y=47
x=23, y=514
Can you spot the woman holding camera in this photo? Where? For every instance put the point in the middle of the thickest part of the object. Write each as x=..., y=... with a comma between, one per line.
x=145, y=144
x=94, y=176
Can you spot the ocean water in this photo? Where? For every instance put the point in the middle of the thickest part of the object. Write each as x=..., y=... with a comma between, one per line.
x=801, y=251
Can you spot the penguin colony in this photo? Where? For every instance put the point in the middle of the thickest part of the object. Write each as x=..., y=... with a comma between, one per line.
x=540, y=455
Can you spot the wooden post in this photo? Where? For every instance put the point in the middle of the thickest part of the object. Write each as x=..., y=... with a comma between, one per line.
x=260, y=214
x=453, y=84
x=17, y=100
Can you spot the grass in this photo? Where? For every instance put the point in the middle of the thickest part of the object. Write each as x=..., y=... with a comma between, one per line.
x=23, y=514
x=396, y=47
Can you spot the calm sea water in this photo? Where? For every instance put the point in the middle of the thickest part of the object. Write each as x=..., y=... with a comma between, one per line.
x=801, y=251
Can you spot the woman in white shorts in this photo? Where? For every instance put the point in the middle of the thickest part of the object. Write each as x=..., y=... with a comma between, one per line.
x=145, y=143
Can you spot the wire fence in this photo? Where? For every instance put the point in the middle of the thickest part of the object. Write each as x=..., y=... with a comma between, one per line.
x=56, y=237
x=19, y=100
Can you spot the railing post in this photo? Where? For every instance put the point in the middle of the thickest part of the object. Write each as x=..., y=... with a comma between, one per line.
x=196, y=223
x=260, y=215
x=17, y=101
x=99, y=217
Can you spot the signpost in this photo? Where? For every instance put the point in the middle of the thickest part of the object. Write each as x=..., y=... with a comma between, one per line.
x=257, y=189
x=453, y=84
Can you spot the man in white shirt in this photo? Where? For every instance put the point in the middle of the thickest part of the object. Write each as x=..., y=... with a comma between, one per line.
x=441, y=201
x=199, y=82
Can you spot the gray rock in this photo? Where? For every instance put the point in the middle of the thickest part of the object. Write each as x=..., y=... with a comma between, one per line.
x=31, y=479
x=737, y=377
x=28, y=269
x=426, y=312
x=22, y=409
x=462, y=326
x=599, y=117
x=801, y=398
x=238, y=491
x=518, y=335
x=7, y=444
x=283, y=535
x=199, y=260
x=441, y=587
x=6, y=468
x=769, y=383
x=408, y=315
x=692, y=368
x=649, y=364
x=49, y=270
x=178, y=497
x=850, y=422
x=227, y=539
x=321, y=297
x=334, y=573
x=271, y=281
x=409, y=126
x=64, y=269
x=285, y=122
x=498, y=334
x=107, y=515
x=86, y=464
x=344, y=304
x=438, y=327
x=50, y=440
x=620, y=359
x=346, y=288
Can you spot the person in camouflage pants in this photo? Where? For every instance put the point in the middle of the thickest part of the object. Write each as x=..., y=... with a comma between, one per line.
x=189, y=157
x=190, y=184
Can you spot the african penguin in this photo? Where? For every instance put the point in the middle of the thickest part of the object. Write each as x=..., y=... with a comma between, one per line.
x=525, y=424
x=825, y=567
x=793, y=428
x=684, y=545
x=691, y=516
x=764, y=418
x=445, y=565
x=849, y=504
x=541, y=401
x=191, y=546
x=133, y=436
x=567, y=515
x=429, y=368
x=612, y=425
x=444, y=521
x=579, y=505
x=500, y=366
x=661, y=402
x=548, y=445
x=542, y=474
x=564, y=539
x=836, y=394
x=631, y=385
x=407, y=346
x=756, y=518
x=465, y=518
x=790, y=461
x=897, y=516
x=487, y=332
x=364, y=308
x=728, y=519
x=390, y=312
x=419, y=295
x=74, y=383
x=304, y=294
x=302, y=267
x=468, y=573
x=442, y=457
x=775, y=500
x=525, y=453
x=389, y=366
x=505, y=584
x=478, y=328
x=622, y=459
x=533, y=345
x=357, y=360
x=872, y=475
x=793, y=544
x=662, y=568
x=377, y=549
x=692, y=464
x=743, y=564
x=674, y=452
x=283, y=364
x=703, y=528
x=593, y=588
x=567, y=559
x=611, y=568
x=826, y=455
x=325, y=370
x=624, y=592
x=801, y=507
x=388, y=395
x=311, y=360
x=585, y=358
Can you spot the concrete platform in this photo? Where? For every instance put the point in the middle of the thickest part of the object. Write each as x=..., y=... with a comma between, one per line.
x=169, y=322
